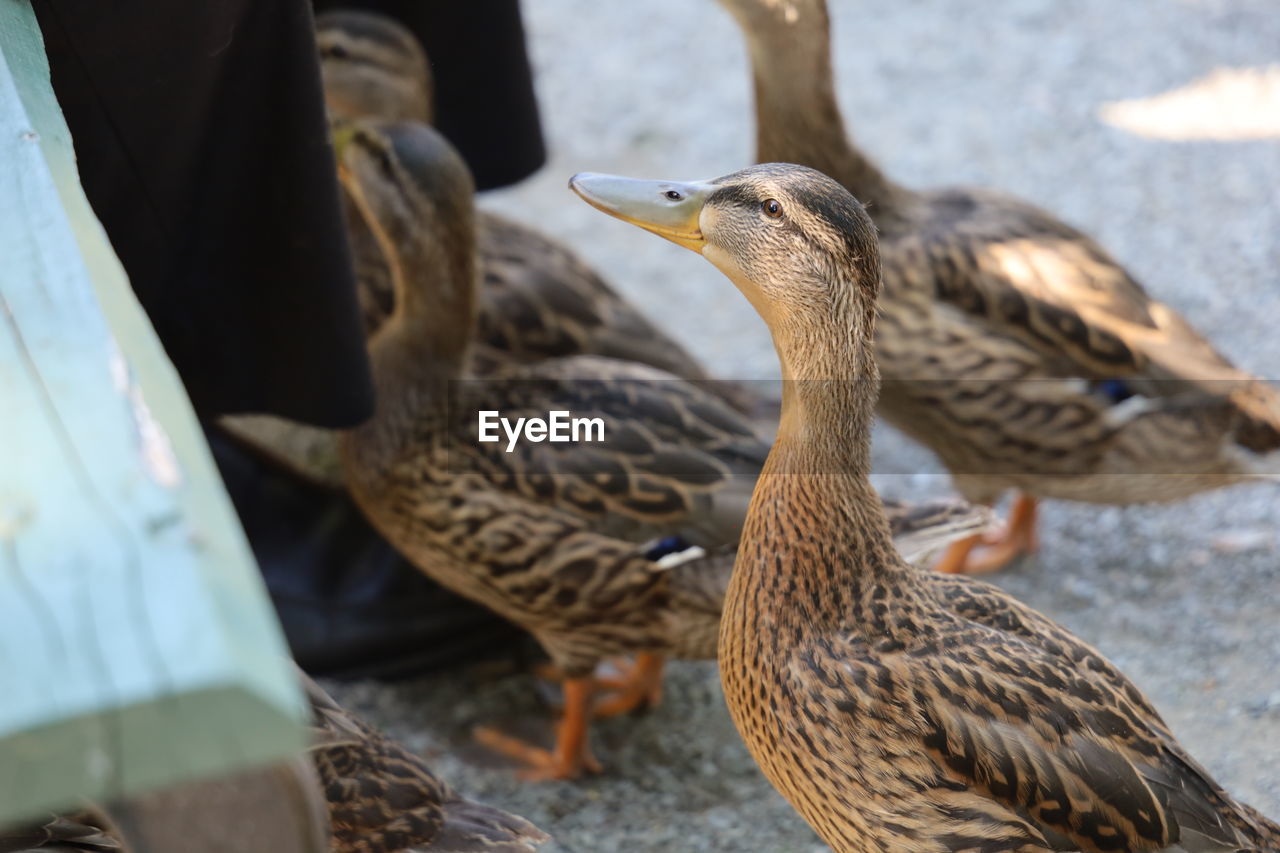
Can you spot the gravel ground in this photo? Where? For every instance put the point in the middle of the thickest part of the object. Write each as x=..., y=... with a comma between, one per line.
x=1184, y=598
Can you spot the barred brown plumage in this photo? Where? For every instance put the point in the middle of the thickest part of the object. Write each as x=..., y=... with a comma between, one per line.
x=384, y=799
x=896, y=708
x=999, y=320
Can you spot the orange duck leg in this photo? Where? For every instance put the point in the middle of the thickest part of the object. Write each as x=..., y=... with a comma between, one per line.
x=982, y=554
x=571, y=756
x=639, y=687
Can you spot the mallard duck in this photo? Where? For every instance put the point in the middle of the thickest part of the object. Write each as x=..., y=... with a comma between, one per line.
x=1013, y=345
x=384, y=799
x=898, y=708
x=569, y=541
x=537, y=299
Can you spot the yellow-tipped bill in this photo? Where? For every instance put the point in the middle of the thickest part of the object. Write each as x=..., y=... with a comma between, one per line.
x=666, y=208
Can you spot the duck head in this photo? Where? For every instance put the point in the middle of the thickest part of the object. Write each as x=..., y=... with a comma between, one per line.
x=416, y=195
x=798, y=245
x=372, y=67
x=803, y=251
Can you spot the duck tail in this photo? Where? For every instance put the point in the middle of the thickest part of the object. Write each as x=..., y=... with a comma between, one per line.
x=1261, y=832
x=471, y=827
x=383, y=797
x=921, y=530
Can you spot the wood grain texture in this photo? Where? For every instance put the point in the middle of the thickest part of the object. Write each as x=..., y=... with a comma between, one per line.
x=138, y=647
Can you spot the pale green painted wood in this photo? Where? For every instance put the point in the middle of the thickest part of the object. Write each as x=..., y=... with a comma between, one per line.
x=137, y=646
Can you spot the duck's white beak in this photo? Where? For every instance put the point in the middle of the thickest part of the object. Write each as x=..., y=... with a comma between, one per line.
x=668, y=209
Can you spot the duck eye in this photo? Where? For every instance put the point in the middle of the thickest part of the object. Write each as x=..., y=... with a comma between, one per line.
x=674, y=195
x=772, y=208
x=337, y=51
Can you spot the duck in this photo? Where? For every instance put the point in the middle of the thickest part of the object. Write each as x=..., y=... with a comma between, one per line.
x=384, y=799
x=1013, y=345
x=895, y=707
x=601, y=550
x=538, y=298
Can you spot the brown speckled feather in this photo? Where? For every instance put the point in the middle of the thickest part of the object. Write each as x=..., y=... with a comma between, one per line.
x=551, y=536
x=968, y=720
x=384, y=799
x=919, y=531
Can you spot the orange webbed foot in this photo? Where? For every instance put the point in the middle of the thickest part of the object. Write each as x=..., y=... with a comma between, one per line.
x=640, y=687
x=983, y=554
x=624, y=685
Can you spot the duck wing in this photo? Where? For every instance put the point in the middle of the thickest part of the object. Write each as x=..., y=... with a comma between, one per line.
x=920, y=530
x=667, y=458
x=1025, y=732
x=383, y=798
x=540, y=300
x=1017, y=270
x=1005, y=268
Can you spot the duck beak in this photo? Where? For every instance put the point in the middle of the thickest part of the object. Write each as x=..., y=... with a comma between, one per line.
x=668, y=209
x=343, y=133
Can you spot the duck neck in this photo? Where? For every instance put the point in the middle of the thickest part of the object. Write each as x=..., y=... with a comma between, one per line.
x=424, y=344
x=836, y=543
x=825, y=418
x=428, y=335
x=798, y=117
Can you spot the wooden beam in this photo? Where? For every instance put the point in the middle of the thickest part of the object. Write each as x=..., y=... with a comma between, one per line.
x=137, y=645
x=277, y=809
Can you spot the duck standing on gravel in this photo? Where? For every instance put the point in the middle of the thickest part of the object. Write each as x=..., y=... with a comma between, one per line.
x=1013, y=346
x=899, y=709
